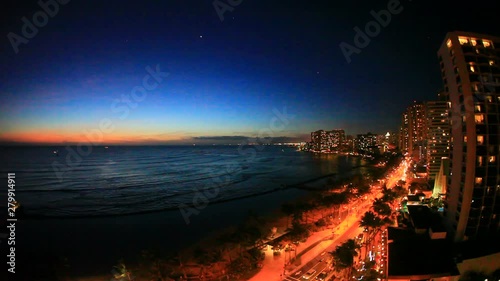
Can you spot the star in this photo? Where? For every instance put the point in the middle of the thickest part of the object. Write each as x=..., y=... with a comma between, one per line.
x=201, y=36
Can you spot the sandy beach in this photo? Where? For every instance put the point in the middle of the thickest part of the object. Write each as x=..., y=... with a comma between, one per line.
x=92, y=246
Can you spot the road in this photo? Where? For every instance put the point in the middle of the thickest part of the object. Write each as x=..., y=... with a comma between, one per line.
x=316, y=256
x=321, y=263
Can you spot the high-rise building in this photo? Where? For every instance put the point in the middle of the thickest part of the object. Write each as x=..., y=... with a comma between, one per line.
x=327, y=140
x=393, y=140
x=319, y=140
x=438, y=134
x=413, y=131
x=366, y=143
x=470, y=67
x=348, y=144
x=338, y=139
x=404, y=134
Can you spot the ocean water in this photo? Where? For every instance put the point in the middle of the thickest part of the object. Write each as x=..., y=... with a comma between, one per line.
x=114, y=203
x=121, y=180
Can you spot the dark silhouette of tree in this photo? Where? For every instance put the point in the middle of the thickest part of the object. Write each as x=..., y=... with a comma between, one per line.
x=224, y=243
x=387, y=221
x=388, y=195
x=363, y=189
x=344, y=255
x=335, y=200
x=298, y=232
x=288, y=209
x=371, y=221
x=400, y=191
x=304, y=208
x=381, y=208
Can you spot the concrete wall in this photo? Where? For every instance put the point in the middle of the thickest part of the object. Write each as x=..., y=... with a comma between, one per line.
x=487, y=264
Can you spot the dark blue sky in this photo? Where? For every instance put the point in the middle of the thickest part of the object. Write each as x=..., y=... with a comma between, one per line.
x=225, y=77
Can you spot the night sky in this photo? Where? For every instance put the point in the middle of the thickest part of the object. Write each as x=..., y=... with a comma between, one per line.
x=226, y=77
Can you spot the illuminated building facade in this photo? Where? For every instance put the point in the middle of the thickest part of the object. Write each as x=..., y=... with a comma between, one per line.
x=438, y=135
x=413, y=132
x=470, y=66
x=327, y=140
x=366, y=143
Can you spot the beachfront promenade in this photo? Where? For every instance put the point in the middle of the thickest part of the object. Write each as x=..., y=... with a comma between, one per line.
x=319, y=242
x=323, y=241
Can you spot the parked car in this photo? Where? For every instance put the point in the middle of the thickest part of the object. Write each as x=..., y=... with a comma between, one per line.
x=321, y=276
x=309, y=274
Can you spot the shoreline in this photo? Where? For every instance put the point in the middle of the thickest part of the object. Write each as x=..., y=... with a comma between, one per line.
x=161, y=226
x=300, y=185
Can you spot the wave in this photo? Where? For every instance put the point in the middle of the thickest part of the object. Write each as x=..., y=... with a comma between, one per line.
x=143, y=180
x=114, y=211
x=74, y=214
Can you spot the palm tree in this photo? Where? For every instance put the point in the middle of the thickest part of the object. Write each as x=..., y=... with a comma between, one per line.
x=363, y=189
x=382, y=208
x=371, y=222
x=344, y=256
x=400, y=191
x=388, y=195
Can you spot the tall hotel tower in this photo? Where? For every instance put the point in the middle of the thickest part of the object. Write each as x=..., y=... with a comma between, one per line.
x=470, y=67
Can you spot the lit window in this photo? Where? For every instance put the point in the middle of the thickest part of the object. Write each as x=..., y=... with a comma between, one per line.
x=475, y=88
x=463, y=40
x=465, y=138
x=479, y=118
x=479, y=180
x=480, y=160
x=473, y=42
x=477, y=108
x=480, y=140
x=473, y=69
x=448, y=43
x=492, y=62
x=492, y=159
x=486, y=43
x=489, y=99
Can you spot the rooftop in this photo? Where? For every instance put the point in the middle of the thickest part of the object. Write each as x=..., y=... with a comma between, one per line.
x=420, y=215
x=421, y=259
